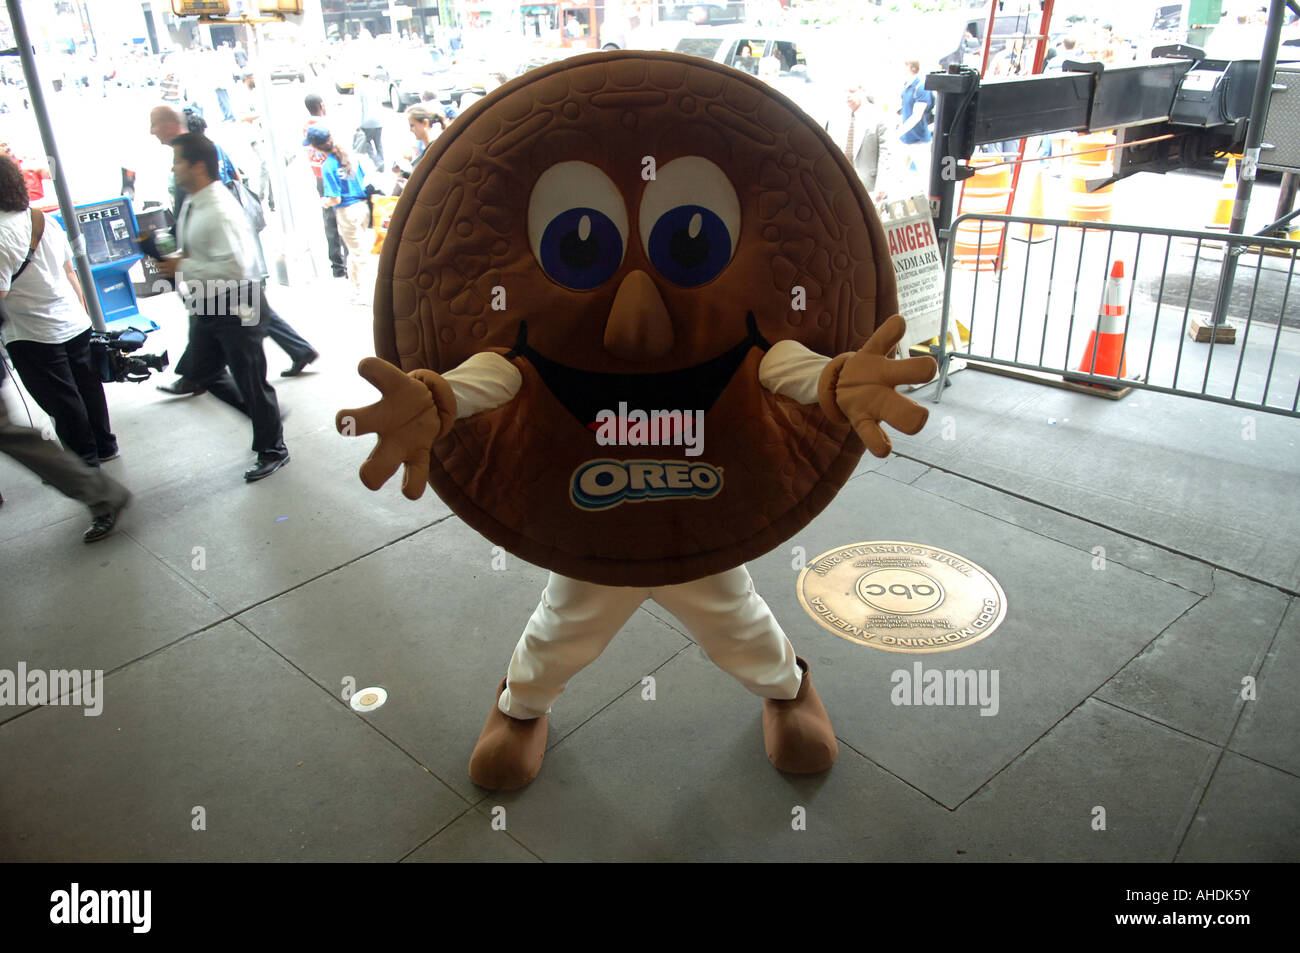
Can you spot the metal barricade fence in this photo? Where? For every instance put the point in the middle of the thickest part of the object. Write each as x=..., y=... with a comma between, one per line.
x=1046, y=302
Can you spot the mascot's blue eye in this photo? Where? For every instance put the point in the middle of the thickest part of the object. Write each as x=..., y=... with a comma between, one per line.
x=689, y=245
x=581, y=248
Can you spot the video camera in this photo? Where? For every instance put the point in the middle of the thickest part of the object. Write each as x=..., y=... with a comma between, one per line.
x=110, y=354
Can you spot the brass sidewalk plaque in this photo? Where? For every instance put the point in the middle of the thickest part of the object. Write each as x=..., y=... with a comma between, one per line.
x=902, y=597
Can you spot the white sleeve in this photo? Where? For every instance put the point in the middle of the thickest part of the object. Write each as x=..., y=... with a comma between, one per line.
x=8, y=265
x=64, y=249
x=11, y=257
x=483, y=382
x=792, y=370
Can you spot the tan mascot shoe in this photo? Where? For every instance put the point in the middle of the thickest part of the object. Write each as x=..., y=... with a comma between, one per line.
x=798, y=733
x=509, y=751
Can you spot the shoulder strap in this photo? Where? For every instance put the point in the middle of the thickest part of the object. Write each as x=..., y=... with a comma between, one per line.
x=38, y=229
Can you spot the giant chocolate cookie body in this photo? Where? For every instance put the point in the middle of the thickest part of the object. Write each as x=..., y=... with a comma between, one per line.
x=632, y=230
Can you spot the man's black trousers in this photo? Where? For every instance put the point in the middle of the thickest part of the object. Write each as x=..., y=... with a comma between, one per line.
x=220, y=341
x=277, y=329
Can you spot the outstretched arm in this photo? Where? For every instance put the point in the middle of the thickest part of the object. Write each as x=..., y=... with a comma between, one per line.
x=856, y=387
x=418, y=407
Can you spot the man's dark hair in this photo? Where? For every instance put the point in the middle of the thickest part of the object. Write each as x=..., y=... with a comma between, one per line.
x=196, y=148
x=13, y=190
x=313, y=103
x=194, y=120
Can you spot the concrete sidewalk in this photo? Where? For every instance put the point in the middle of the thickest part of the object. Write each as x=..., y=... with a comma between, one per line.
x=1148, y=553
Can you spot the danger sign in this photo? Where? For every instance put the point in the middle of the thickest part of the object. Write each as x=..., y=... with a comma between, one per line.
x=918, y=267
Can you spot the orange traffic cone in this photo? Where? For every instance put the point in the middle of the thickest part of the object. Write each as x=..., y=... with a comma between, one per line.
x=1227, y=196
x=1104, y=355
x=1026, y=232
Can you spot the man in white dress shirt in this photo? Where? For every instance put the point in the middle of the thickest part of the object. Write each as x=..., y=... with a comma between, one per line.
x=218, y=276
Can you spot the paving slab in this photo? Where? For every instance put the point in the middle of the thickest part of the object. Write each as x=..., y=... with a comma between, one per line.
x=902, y=469
x=430, y=621
x=262, y=539
x=471, y=838
x=1068, y=629
x=1043, y=807
x=1190, y=677
x=685, y=778
x=1270, y=725
x=193, y=440
x=1250, y=814
x=220, y=722
x=73, y=606
x=1192, y=476
x=1115, y=547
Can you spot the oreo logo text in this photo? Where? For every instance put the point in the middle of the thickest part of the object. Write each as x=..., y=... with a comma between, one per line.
x=599, y=484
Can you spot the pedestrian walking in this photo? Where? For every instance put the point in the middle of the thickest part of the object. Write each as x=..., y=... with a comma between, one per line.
x=166, y=124
x=337, y=250
x=372, y=121
x=217, y=269
x=914, y=133
x=47, y=332
x=63, y=470
x=423, y=121
x=345, y=192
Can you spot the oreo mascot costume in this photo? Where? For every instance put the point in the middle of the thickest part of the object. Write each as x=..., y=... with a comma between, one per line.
x=633, y=324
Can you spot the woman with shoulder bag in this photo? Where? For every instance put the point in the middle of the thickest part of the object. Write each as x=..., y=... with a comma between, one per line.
x=48, y=328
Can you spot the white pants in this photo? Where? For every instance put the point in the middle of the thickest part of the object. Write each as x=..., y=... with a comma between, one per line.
x=352, y=229
x=576, y=620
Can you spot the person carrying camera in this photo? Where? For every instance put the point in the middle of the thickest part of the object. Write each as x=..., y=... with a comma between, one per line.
x=48, y=329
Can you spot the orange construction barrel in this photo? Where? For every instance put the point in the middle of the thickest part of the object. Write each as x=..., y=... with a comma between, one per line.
x=1080, y=204
x=976, y=243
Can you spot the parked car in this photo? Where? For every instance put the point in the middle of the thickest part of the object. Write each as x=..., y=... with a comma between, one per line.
x=409, y=73
x=287, y=73
x=544, y=58
x=801, y=63
x=702, y=14
x=348, y=62
x=1008, y=26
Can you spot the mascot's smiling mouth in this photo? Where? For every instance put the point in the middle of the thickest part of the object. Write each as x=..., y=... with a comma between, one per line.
x=586, y=393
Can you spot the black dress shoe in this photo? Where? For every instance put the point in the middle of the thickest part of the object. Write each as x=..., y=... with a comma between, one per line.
x=299, y=364
x=182, y=387
x=104, y=525
x=265, y=468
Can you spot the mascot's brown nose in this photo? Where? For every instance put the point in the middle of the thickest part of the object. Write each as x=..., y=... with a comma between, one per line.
x=638, y=328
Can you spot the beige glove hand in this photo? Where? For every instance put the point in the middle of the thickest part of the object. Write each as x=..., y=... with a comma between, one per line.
x=859, y=388
x=415, y=408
